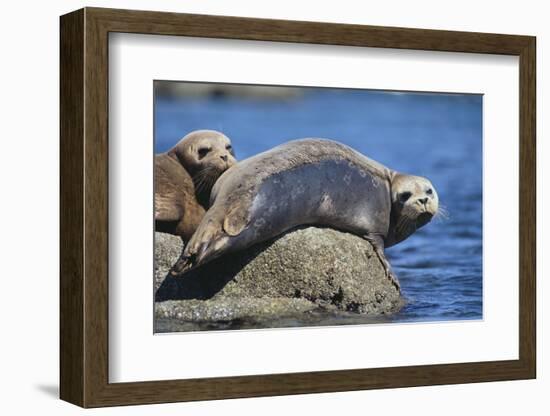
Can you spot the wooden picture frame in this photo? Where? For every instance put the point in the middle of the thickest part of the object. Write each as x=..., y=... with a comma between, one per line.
x=84, y=207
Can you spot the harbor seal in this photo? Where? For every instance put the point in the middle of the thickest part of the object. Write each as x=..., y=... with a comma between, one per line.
x=184, y=177
x=310, y=182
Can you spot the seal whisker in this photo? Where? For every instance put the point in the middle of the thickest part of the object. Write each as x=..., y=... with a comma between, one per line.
x=406, y=225
x=403, y=224
x=442, y=213
x=205, y=182
x=199, y=185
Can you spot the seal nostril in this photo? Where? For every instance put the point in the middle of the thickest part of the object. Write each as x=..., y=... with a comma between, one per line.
x=423, y=200
x=224, y=158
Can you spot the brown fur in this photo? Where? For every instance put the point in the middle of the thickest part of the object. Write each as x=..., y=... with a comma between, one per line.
x=184, y=177
x=177, y=210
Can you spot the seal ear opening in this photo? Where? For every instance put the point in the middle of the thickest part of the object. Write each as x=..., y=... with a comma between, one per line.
x=235, y=221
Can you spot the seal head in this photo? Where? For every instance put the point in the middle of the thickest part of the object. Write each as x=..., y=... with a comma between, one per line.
x=205, y=154
x=414, y=203
x=184, y=177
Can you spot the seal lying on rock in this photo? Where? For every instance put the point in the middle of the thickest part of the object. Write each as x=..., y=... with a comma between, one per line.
x=184, y=177
x=310, y=181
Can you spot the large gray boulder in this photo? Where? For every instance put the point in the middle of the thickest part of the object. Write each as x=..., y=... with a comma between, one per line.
x=303, y=271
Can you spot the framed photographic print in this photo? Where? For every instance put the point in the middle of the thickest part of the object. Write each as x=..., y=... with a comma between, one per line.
x=256, y=207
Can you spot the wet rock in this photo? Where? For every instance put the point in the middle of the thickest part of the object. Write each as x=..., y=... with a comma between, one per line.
x=301, y=271
x=230, y=308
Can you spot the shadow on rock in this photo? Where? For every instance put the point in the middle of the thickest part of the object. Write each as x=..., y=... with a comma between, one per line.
x=205, y=281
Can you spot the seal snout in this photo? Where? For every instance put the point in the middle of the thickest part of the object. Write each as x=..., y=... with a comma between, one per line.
x=423, y=201
x=428, y=203
x=423, y=219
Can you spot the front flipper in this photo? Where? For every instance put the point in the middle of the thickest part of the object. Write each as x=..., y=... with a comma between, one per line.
x=183, y=264
x=208, y=243
x=378, y=246
x=195, y=251
x=236, y=220
x=211, y=239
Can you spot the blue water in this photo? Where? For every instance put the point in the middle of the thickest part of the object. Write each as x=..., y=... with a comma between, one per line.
x=434, y=135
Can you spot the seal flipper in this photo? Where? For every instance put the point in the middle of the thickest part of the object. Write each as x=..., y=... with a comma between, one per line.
x=191, y=259
x=188, y=261
x=378, y=246
x=183, y=264
x=211, y=238
x=193, y=254
x=236, y=220
x=208, y=242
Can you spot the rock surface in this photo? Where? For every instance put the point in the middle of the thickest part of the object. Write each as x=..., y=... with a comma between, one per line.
x=304, y=270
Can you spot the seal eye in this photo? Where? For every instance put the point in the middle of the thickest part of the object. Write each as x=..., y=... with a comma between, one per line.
x=429, y=191
x=203, y=151
x=403, y=197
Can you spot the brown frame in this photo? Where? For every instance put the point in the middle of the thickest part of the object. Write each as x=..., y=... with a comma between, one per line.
x=84, y=208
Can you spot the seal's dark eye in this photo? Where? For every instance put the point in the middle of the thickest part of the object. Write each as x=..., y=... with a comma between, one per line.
x=203, y=151
x=404, y=196
x=429, y=191
x=229, y=147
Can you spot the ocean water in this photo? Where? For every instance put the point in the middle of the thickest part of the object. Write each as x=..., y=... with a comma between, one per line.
x=434, y=135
